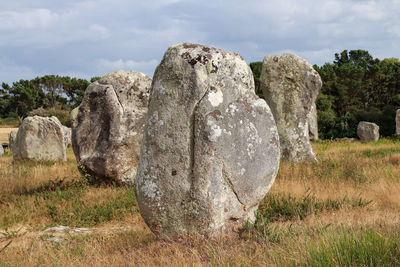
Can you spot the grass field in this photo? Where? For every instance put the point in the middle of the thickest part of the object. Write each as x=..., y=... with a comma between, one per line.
x=343, y=211
x=4, y=132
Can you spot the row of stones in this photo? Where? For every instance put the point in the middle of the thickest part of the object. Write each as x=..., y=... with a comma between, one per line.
x=210, y=149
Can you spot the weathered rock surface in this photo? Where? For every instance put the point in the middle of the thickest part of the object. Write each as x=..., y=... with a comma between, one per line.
x=313, y=123
x=367, y=131
x=398, y=122
x=210, y=151
x=67, y=135
x=108, y=126
x=11, y=139
x=290, y=86
x=1, y=149
x=40, y=138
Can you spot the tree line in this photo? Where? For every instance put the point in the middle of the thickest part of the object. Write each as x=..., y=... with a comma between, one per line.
x=46, y=95
x=356, y=87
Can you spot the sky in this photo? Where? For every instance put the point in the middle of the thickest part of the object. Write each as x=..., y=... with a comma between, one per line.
x=86, y=38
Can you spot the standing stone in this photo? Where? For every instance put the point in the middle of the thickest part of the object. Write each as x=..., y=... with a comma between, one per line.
x=67, y=135
x=1, y=149
x=398, y=122
x=210, y=151
x=367, y=131
x=313, y=123
x=40, y=138
x=11, y=139
x=291, y=86
x=74, y=117
x=107, y=128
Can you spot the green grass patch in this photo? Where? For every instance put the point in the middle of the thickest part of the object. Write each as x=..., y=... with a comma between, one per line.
x=282, y=207
x=339, y=170
x=367, y=247
x=81, y=214
x=62, y=202
x=380, y=152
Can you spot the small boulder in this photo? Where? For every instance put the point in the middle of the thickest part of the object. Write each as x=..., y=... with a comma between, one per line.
x=11, y=139
x=368, y=131
x=398, y=122
x=40, y=138
x=107, y=127
x=290, y=86
x=210, y=151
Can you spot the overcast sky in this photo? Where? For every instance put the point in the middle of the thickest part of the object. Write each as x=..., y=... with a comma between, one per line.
x=86, y=38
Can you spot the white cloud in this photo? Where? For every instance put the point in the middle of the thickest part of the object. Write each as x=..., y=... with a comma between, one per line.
x=100, y=30
x=105, y=66
x=395, y=30
x=93, y=37
x=35, y=18
x=369, y=10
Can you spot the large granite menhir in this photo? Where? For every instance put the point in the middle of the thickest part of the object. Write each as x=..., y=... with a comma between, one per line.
x=290, y=86
x=108, y=126
x=40, y=138
x=210, y=151
x=398, y=122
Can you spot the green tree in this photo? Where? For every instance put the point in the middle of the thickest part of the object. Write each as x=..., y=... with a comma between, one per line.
x=360, y=88
x=256, y=68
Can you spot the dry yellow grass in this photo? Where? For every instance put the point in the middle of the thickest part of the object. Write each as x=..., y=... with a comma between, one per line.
x=4, y=132
x=370, y=172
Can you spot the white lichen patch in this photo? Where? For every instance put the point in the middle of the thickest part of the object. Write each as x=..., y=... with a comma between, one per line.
x=227, y=132
x=149, y=189
x=260, y=103
x=232, y=108
x=215, y=97
x=253, y=139
x=250, y=150
x=216, y=131
x=303, y=128
x=291, y=134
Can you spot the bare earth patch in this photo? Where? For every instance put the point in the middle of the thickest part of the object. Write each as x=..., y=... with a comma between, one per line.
x=4, y=132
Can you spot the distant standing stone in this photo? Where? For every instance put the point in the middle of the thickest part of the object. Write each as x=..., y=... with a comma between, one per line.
x=398, y=122
x=290, y=86
x=11, y=139
x=313, y=123
x=40, y=138
x=210, y=151
x=1, y=149
x=67, y=135
x=108, y=126
x=367, y=131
